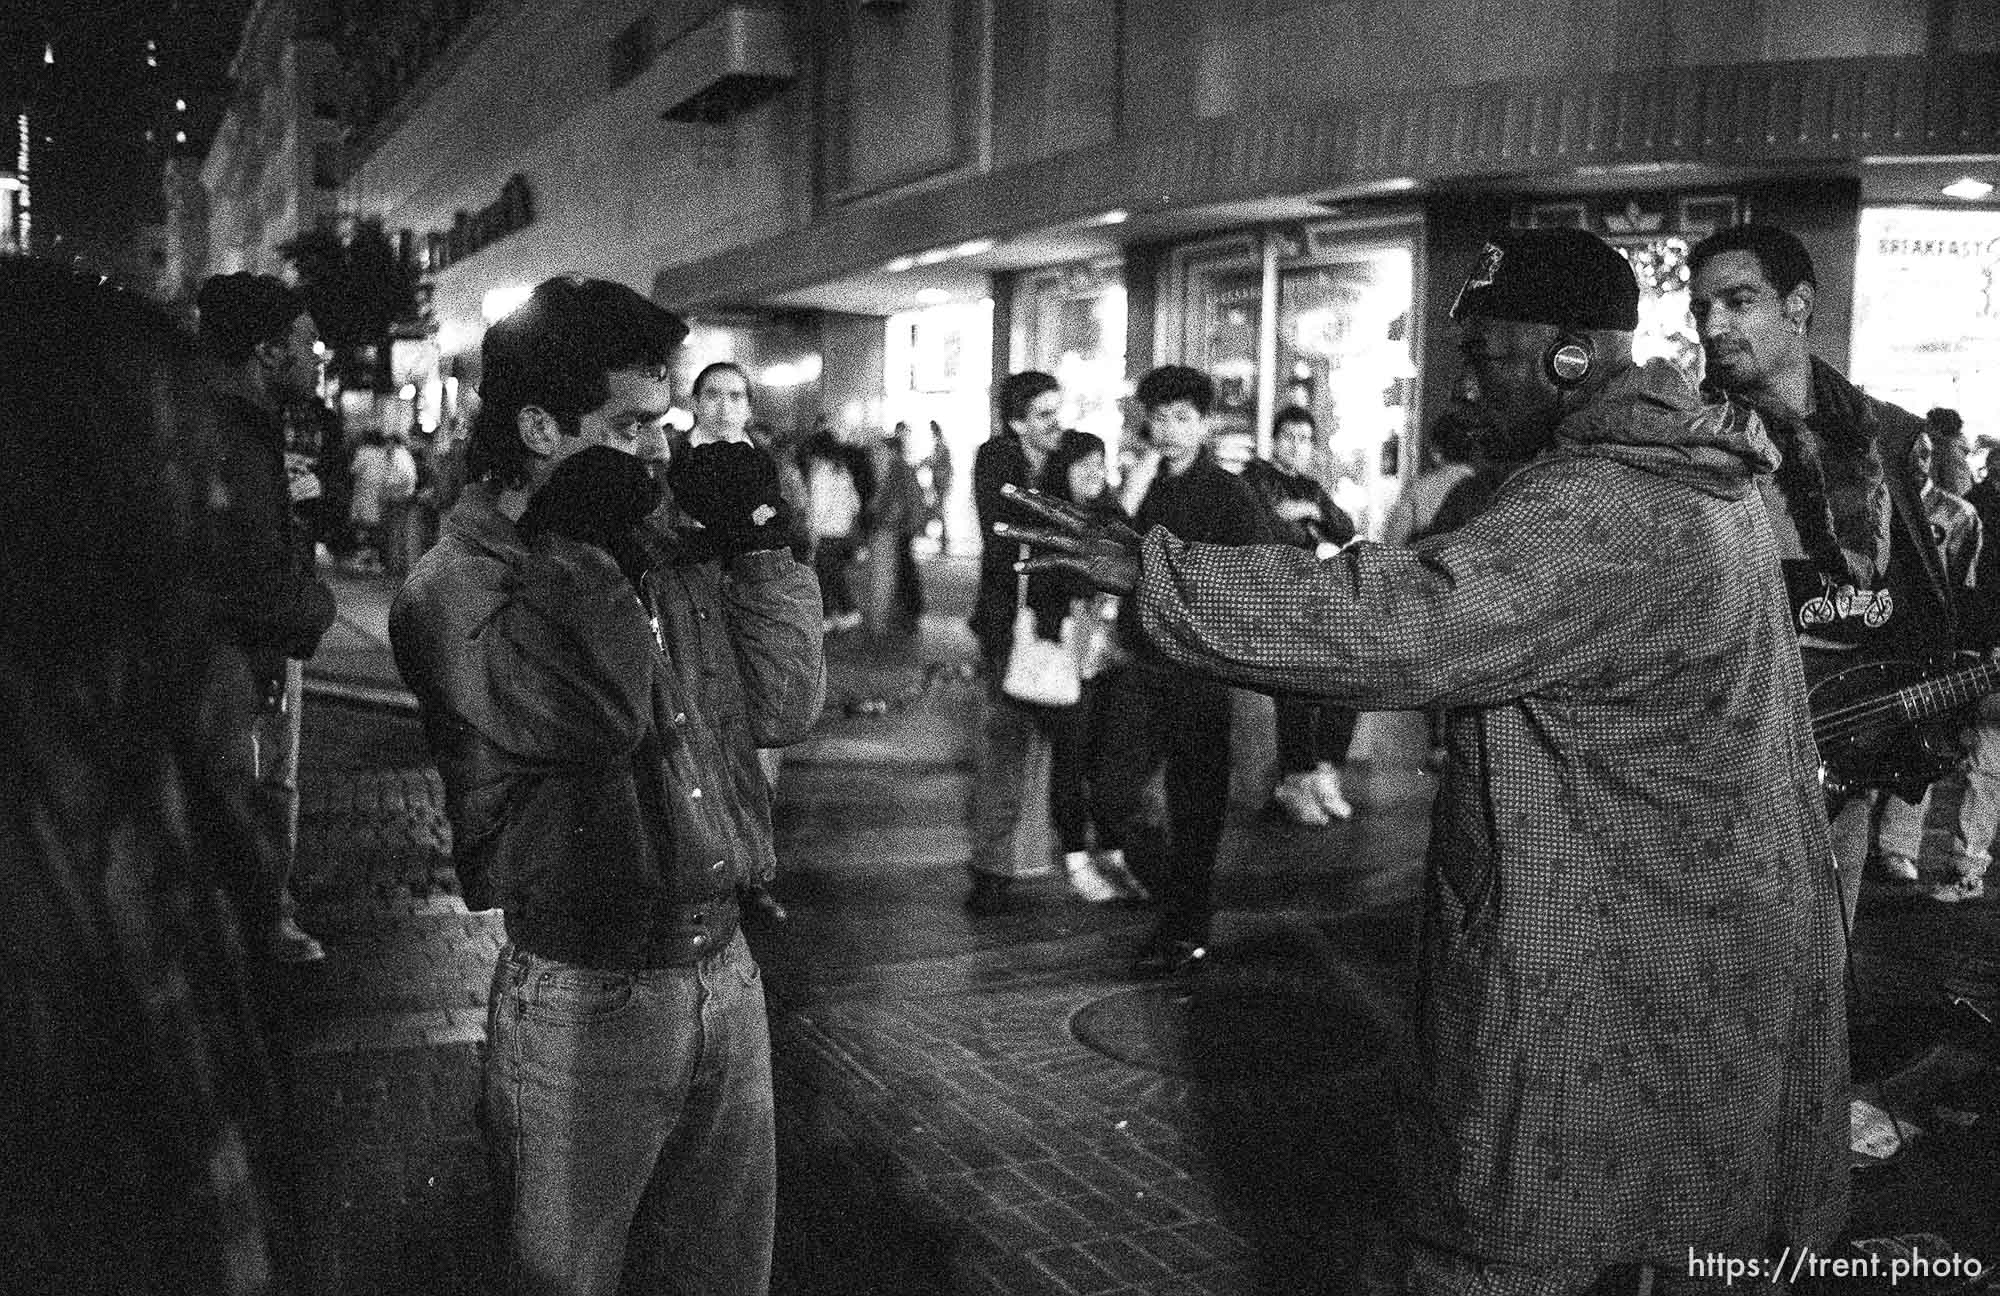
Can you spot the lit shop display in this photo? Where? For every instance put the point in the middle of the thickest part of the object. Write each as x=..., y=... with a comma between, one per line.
x=1317, y=315
x=938, y=371
x=1927, y=311
x=1069, y=321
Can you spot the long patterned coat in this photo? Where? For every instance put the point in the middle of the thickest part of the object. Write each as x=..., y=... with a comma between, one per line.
x=1630, y=1033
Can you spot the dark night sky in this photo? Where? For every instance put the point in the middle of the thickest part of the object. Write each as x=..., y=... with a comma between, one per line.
x=94, y=173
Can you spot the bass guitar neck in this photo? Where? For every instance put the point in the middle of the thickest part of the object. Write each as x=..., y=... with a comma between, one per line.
x=1880, y=724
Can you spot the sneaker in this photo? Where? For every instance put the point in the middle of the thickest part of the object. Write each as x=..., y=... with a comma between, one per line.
x=1897, y=868
x=1326, y=783
x=1297, y=795
x=290, y=943
x=1086, y=882
x=1112, y=868
x=1956, y=889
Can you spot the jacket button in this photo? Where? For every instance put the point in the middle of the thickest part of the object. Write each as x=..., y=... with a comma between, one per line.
x=720, y=866
x=694, y=794
x=699, y=940
x=680, y=717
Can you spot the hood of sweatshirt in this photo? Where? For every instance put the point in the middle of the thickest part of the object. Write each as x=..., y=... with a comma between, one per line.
x=1651, y=418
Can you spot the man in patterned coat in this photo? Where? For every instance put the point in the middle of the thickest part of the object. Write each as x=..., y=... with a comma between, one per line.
x=1629, y=1043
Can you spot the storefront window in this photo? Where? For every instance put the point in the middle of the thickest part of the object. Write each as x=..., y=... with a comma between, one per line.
x=1339, y=341
x=939, y=371
x=1344, y=352
x=1927, y=311
x=1229, y=303
x=1070, y=322
x=1216, y=317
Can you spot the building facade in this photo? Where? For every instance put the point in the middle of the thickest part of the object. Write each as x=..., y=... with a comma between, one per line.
x=878, y=205
x=272, y=169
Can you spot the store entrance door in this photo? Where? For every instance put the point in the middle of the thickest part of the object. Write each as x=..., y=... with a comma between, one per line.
x=938, y=379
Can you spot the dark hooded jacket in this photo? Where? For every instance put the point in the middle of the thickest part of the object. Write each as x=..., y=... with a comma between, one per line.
x=1934, y=613
x=1629, y=1035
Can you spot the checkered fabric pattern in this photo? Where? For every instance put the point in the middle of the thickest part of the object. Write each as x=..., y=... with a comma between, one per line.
x=1630, y=1034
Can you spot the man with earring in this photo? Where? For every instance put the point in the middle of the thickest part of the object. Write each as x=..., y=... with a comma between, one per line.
x=1864, y=576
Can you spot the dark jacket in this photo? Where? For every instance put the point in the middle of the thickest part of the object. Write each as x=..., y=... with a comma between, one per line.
x=1002, y=462
x=1272, y=486
x=1932, y=615
x=1985, y=500
x=266, y=600
x=1631, y=1033
x=600, y=771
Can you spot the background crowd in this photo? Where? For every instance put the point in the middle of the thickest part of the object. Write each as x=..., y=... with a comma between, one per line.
x=178, y=493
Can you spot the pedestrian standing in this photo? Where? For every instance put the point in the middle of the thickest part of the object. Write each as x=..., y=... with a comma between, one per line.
x=1029, y=409
x=1076, y=472
x=1313, y=736
x=722, y=410
x=1158, y=717
x=1899, y=820
x=940, y=486
x=1864, y=576
x=270, y=611
x=595, y=674
x=839, y=483
x=896, y=517
x=1629, y=1043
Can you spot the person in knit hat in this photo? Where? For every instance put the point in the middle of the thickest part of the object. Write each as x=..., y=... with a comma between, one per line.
x=1629, y=1043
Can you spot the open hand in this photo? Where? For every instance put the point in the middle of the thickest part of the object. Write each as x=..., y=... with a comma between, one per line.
x=1103, y=552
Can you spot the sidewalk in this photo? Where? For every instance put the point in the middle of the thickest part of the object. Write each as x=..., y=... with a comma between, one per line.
x=965, y=1105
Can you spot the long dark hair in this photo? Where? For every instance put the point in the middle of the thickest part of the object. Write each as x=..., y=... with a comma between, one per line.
x=1073, y=448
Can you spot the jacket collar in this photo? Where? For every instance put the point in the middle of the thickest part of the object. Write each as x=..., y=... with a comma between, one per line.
x=1649, y=417
x=477, y=523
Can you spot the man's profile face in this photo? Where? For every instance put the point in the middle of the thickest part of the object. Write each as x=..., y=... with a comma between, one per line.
x=1922, y=455
x=722, y=409
x=1749, y=330
x=1178, y=429
x=632, y=419
x=295, y=372
x=1041, y=429
x=1505, y=399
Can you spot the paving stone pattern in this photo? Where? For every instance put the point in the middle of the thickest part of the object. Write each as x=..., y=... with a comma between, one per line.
x=971, y=1105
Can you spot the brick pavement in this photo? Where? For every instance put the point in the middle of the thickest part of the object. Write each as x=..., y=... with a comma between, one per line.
x=976, y=1106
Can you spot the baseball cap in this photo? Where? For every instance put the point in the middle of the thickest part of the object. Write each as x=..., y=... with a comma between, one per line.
x=1566, y=277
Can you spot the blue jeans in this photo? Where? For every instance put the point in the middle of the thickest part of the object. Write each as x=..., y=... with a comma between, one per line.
x=628, y=1119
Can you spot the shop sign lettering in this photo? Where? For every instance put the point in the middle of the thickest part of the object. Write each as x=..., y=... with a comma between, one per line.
x=513, y=210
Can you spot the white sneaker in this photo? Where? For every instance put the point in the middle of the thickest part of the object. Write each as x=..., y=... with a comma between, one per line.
x=1326, y=783
x=1112, y=868
x=1084, y=879
x=1898, y=868
x=1298, y=796
x=290, y=943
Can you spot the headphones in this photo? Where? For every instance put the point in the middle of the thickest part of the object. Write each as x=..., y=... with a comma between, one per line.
x=1569, y=360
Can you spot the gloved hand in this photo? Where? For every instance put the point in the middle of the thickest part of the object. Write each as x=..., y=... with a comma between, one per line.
x=731, y=488
x=597, y=496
